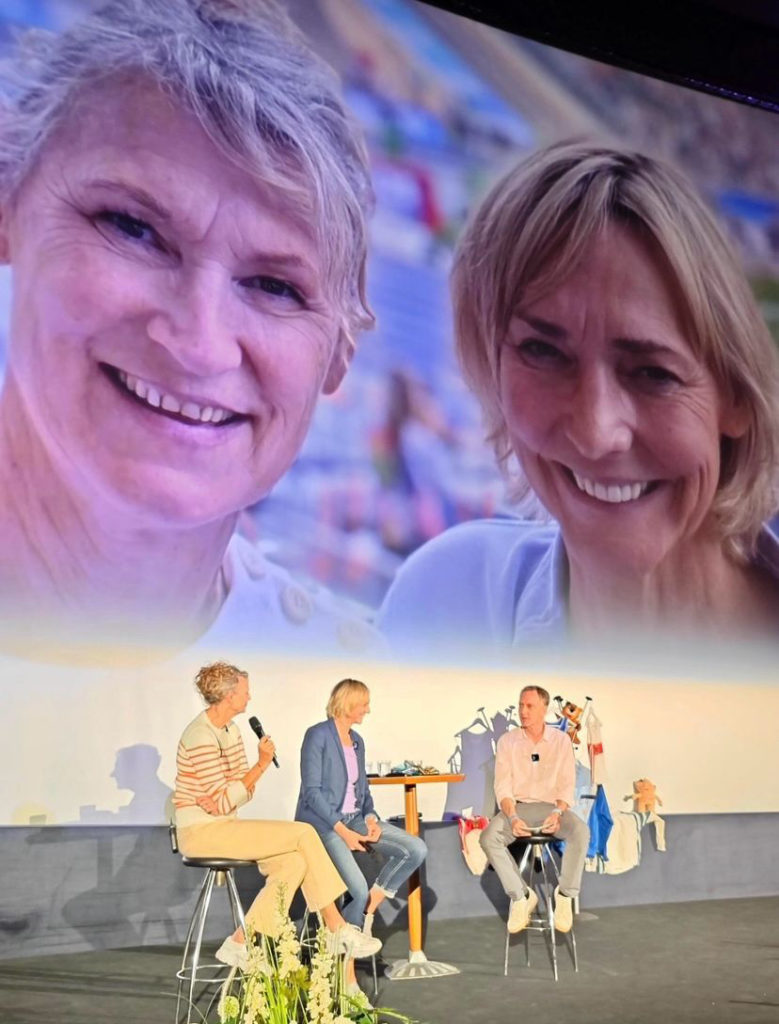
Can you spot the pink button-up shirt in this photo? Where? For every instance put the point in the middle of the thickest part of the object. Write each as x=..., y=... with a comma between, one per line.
x=549, y=778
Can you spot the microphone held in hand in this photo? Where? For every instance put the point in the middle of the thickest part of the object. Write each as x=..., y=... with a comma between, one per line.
x=257, y=728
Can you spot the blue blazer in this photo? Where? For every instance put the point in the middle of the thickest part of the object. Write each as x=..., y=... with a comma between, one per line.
x=323, y=778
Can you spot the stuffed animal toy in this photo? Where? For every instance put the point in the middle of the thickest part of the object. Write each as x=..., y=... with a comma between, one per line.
x=644, y=796
x=573, y=714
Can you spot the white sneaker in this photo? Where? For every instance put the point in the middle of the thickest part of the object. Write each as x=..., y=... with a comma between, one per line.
x=357, y=997
x=563, y=911
x=367, y=928
x=233, y=953
x=352, y=943
x=520, y=911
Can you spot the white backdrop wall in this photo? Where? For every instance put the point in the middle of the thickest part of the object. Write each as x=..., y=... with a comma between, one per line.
x=707, y=745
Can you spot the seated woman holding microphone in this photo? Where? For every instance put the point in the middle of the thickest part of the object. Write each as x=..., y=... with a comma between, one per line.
x=213, y=780
x=335, y=798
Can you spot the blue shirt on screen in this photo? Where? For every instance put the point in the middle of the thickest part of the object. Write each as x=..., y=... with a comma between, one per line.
x=492, y=585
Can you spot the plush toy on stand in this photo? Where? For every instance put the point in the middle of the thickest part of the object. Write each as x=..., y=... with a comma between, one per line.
x=644, y=797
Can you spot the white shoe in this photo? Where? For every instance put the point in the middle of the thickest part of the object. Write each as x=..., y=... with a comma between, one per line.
x=520, y=911
x=352, y=943
x=357, y=997
x=563, y=911
x=367, y=928
x=233, y=953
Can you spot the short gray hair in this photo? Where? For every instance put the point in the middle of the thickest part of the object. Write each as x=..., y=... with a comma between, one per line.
x=532, y=230
x=249, y=76
x=543, y=694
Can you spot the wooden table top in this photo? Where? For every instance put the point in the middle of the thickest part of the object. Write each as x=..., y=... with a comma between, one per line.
x=395, y=780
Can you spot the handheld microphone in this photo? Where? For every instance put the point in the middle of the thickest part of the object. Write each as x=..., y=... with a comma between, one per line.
x=256, y=727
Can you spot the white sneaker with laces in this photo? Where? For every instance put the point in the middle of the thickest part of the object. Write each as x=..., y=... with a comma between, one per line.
x=356, y=995
x=352, y=943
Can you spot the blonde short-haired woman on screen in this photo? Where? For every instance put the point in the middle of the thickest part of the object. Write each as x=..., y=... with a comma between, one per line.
x=630, y=384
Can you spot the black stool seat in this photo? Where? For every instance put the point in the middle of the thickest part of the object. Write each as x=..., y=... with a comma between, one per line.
x=217, y=863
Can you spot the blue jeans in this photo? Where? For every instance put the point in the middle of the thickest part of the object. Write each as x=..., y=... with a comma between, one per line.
x=402, y=854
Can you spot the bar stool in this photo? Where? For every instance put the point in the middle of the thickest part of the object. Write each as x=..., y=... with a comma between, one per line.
x=218, y=872
x=536, y=854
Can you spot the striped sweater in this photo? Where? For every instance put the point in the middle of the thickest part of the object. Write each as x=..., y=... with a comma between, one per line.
x=209, y=762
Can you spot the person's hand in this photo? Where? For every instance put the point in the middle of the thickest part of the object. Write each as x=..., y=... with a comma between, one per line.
x=354, y=840
x=520, y=828
x=266, y=748
x=551, y=824
x=208, y=804
x=374, y=830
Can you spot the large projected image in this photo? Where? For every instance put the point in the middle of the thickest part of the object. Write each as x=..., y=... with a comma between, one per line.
x=187, y=279
x=350, y=337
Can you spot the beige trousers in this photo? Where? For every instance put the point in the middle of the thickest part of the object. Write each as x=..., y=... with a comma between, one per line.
x=289, y=854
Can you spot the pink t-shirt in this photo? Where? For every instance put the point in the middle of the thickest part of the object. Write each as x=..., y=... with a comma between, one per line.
x=352, y=773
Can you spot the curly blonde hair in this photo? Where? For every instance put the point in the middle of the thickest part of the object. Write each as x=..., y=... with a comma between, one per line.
x=215, y=681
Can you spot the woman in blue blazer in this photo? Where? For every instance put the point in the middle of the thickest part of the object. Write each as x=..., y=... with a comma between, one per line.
x=335, y=798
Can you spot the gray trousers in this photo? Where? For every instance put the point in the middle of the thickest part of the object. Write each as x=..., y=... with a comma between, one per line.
x=497, y=837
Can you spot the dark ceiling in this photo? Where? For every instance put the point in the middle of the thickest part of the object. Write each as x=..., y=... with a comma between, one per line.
x=730, y=47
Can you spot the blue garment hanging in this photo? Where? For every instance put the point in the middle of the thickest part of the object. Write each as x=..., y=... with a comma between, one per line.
x=601, y=824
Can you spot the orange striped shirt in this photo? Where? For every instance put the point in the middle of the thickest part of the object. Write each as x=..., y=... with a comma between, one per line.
x=209, y=762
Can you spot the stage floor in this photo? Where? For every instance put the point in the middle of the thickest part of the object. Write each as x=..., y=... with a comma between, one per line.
x=715, y=962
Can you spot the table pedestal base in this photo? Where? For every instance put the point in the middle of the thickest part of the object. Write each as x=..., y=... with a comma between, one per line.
x=418, y=966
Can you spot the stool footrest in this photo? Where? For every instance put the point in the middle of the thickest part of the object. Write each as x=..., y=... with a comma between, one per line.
x=218, y=863
x=192, y=972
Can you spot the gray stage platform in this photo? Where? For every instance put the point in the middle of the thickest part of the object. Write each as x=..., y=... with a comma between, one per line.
x=712, y=962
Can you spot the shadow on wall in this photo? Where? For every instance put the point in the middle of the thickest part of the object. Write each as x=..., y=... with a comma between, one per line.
x=120, y=907
x=133, y=894
x=69, y=888
x=113, y=886
x=474, y=756
x=135, y=769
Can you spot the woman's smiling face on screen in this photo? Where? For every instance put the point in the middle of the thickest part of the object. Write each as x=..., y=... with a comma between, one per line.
x=616, y=422
x=170, y=327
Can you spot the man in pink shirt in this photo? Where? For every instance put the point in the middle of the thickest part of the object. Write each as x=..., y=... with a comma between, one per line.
x=535, y=772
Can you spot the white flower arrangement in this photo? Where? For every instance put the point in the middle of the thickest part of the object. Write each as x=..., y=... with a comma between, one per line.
x=278, y=988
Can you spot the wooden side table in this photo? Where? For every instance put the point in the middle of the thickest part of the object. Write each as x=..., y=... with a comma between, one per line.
x=417, y=965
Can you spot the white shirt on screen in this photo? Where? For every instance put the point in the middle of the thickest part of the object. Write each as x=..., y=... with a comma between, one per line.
x=266, y=608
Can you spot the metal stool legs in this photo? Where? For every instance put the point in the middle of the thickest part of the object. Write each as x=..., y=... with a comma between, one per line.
x=543, y=919
x=189, y=972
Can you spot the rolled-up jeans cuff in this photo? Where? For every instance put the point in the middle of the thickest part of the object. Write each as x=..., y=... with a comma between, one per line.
x=389, y=893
